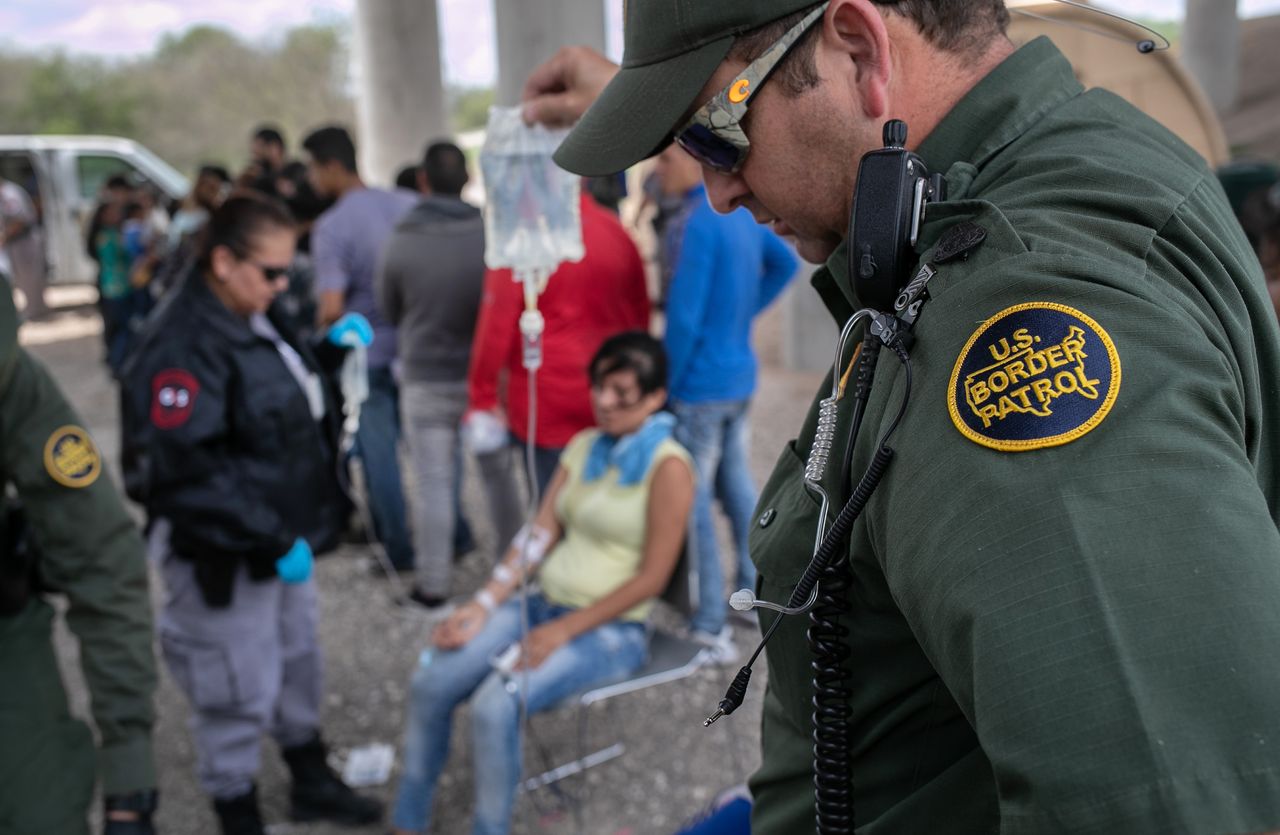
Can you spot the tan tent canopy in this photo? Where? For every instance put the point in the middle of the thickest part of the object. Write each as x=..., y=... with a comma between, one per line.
x=1156, y=83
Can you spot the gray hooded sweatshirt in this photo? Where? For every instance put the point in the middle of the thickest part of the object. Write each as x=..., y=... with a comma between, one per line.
x=429, y=285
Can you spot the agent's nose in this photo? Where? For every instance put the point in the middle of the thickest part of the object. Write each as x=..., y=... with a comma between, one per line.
x=725, y=191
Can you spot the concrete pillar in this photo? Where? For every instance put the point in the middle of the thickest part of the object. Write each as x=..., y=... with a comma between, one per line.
x=1211, y=49
x=530, y=32
x=401, y=105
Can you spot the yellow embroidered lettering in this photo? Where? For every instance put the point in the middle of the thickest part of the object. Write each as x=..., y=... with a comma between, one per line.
x=1000, y=351
x=1087, y=387
x=1006, y=406
x=1043, y=390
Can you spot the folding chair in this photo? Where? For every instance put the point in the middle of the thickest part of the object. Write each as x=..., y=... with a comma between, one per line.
x=671, y=658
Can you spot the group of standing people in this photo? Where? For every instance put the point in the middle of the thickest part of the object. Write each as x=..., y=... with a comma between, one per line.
x=231, y=429
x=405, y=273
x=625, y=483
x=127, y=239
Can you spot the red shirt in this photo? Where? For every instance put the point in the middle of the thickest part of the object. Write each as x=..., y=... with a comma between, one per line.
x=584, y=304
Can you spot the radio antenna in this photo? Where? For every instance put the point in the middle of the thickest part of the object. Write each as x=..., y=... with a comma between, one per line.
x=1145, y=46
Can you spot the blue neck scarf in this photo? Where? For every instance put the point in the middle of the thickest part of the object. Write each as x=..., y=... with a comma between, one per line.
x=631, y=454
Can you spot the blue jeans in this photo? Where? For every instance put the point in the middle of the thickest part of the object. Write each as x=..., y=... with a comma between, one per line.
x=377, y=442
x=115, y=330
x=444, y=679
x=715, y=434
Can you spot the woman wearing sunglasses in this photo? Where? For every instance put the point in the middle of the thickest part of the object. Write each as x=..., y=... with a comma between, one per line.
x=231, y=444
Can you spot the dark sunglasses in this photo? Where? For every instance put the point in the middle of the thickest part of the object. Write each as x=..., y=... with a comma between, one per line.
x=625, y=399
x=270, y=273
x=713, y=135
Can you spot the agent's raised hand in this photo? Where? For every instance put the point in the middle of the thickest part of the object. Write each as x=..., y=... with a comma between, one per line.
x=559, y=91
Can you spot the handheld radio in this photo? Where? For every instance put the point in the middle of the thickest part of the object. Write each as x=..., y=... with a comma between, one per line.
x=894, y=189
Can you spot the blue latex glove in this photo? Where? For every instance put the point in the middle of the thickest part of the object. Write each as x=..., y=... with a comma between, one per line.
x=351, y=330
x=295, y=566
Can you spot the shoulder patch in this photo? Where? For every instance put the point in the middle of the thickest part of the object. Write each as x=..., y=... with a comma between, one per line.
x=173, y=396
x=71, y=458
x=1034, y=375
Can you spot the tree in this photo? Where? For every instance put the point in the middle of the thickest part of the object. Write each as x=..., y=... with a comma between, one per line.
x=197, y=98
x=470, y=107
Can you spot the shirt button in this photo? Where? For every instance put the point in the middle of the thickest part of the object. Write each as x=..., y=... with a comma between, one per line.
x=766, y=518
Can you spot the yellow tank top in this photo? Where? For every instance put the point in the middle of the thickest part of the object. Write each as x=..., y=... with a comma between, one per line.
x=603, y=529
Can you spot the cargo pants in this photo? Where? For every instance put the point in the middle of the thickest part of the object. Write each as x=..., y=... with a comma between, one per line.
x=249, y=668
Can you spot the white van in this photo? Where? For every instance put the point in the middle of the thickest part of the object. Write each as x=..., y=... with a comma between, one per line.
x=64, y=175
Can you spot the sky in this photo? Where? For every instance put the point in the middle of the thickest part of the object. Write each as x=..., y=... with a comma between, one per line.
x=123, y=28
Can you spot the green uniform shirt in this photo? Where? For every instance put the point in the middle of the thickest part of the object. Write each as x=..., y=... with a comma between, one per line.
x=1066, y=595
x=90, y=550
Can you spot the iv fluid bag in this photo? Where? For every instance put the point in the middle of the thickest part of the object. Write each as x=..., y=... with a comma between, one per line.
x=354, y=377
x=531, y=216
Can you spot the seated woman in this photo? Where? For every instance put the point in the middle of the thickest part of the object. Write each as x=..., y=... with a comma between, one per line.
x=611, y=525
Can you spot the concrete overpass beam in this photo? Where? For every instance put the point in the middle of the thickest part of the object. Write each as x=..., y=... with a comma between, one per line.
x=401, y=103
x=530, y=32
x=1211, y=49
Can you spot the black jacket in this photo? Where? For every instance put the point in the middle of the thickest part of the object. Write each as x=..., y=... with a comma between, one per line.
x=219, y=439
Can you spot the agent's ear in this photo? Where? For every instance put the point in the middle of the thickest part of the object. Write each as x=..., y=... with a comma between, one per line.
x=222, y=261
x=856, y=31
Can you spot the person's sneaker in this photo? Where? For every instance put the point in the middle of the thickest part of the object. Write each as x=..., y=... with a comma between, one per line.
x=720, y=648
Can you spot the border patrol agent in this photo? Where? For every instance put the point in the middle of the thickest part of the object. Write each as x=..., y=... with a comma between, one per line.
x=232, y=445
x=1064, y=591
x=72, y=536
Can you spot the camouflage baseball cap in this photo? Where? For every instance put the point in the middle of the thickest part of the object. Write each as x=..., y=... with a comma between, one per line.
x=670, y=49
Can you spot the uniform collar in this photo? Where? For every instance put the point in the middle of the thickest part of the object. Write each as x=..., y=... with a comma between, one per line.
x=214, y=313
x=1002, y=107
x=1014, y=96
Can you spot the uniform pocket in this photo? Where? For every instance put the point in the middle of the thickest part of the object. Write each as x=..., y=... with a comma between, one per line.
x=781, y=544
x=782, y=535
x=216, y=676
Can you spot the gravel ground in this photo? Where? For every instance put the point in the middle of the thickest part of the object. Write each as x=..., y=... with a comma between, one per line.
x=672, y=766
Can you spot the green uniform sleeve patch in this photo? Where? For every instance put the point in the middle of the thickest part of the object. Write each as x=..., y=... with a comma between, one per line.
x=1035, y=375
x=71, y=458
